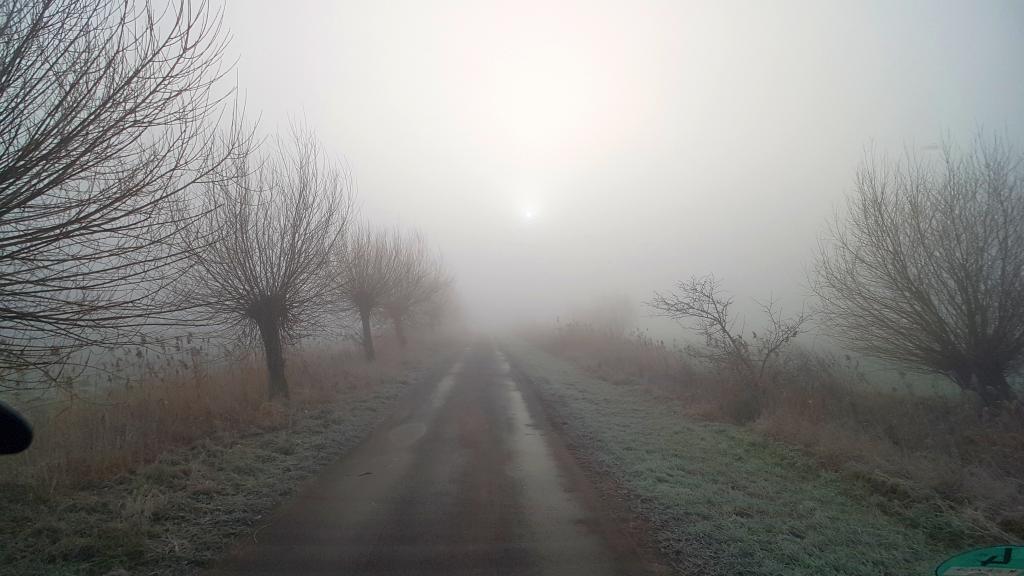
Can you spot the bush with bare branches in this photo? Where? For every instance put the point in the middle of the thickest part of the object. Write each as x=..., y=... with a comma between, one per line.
x=700, y=303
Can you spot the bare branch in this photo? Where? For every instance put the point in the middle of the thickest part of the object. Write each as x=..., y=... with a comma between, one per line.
x=107, y=116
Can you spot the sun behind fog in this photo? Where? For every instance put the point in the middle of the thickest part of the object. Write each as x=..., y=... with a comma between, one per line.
x=529, y=212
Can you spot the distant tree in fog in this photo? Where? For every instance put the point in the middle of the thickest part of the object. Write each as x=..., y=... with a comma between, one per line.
x=107, y=114
x=927, y=268
x=442, y=307
x=261, y=251
x=419, y=278
x=366, y=270
x=700, y=304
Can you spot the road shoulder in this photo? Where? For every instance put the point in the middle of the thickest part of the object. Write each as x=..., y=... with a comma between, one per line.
x=626, y=533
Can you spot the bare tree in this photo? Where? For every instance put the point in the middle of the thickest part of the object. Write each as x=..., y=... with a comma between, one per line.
x=261, y=251
x=366, y=272
x=927, y=269
x=107, y=114
x=419, y=277
x=700, y=303
x=442, y=307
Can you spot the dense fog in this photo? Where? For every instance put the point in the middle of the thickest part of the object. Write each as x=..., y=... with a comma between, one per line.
x=474, y=287
x=565, y=152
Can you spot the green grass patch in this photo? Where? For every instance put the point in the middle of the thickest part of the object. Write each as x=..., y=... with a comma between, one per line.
x=723, y=500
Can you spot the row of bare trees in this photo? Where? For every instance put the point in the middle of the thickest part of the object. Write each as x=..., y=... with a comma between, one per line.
x=925, y=268
x=131, y=197
x=390, y=273
x=274, y=253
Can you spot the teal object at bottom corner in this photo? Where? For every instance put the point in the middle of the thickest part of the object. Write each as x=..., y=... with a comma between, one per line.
x=992, y=561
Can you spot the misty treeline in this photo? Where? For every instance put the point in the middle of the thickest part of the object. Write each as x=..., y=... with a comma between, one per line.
x=924, y=268
x=135, y=198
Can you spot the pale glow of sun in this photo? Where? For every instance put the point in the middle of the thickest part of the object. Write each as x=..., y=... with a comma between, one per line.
x=529, y=211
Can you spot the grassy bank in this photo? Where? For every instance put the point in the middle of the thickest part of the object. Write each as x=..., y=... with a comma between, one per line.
x=897, y=432
x=723, y=499
x=181, y=497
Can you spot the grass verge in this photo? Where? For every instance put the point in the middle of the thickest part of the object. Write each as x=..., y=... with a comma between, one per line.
x=180, y=510
x=918, y=436
x=722, y=499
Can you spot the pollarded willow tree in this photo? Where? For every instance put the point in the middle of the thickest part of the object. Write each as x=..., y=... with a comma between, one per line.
x=419, y=277
x=108, y=113
x=927, y=268
x=260, y=251
x=366, y=270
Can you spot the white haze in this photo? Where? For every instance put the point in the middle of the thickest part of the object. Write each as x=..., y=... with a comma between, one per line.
x=563, y=151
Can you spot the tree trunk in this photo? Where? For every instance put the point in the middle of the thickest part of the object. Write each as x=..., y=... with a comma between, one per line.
x=399, y=330
x=274, y=353
x=993, y=387
x=988, y=382
x=371, y=354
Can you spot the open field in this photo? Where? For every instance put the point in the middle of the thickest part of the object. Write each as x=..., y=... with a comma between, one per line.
x=722, y=499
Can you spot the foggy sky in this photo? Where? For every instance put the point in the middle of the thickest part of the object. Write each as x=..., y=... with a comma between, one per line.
x=648, y=141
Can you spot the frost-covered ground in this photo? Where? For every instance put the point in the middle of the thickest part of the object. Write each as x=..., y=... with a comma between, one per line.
x=722, y=500
x=174, y=514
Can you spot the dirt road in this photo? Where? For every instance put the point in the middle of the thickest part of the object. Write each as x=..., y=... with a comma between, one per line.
x=465, y=479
